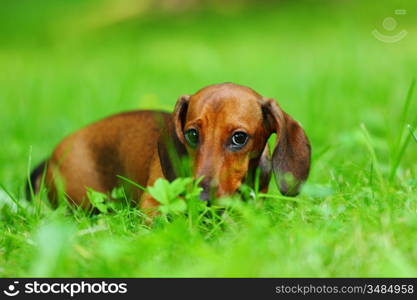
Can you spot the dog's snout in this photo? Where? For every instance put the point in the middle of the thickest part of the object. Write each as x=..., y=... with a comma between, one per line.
x=205, y=195
x=208, y=190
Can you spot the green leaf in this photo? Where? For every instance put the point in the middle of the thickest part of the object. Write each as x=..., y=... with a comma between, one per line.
x=175, y=207
x=160, y=191
x=168, y=194
x=98, y=200
x=118, y=193
x=165, y=192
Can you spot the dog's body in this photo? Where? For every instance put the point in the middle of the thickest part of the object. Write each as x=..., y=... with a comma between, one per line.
x=222, y=128
x=122, y=144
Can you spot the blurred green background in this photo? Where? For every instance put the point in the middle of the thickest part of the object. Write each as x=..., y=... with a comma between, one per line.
x=64, y=64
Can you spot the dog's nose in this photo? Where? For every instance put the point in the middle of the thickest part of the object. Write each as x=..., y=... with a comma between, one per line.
x=207, y=191
x=205, y=195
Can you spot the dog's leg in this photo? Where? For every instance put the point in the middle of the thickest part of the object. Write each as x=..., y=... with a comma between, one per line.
x=147, y=203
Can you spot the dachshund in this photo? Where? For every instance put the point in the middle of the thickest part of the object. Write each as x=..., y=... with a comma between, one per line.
x=221, y=131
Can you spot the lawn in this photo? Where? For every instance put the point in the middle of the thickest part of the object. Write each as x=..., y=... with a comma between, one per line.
x=64, y=64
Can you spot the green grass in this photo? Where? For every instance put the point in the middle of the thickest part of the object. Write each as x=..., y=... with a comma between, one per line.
x=64, y=66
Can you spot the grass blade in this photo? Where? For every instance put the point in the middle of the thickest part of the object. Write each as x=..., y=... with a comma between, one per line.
x=403, y=145
x=375, y=163
x=13, y=198
x=31, y=191
x=131, y=182
x=412, y=132
x=407, y=106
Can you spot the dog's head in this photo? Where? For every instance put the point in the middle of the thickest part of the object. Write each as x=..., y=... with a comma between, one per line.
x=224, y=130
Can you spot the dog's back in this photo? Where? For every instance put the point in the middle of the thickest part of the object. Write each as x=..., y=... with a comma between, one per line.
x=122, y=144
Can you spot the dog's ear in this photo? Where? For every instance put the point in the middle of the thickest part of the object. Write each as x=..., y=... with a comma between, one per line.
x=291, y=156
x=171, y=150
x=179, y=116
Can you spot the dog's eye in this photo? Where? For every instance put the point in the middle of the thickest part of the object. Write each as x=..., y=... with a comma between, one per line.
x=191, y=135
x=239, y=140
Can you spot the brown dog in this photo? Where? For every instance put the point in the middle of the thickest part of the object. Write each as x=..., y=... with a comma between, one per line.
x=223, y=129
